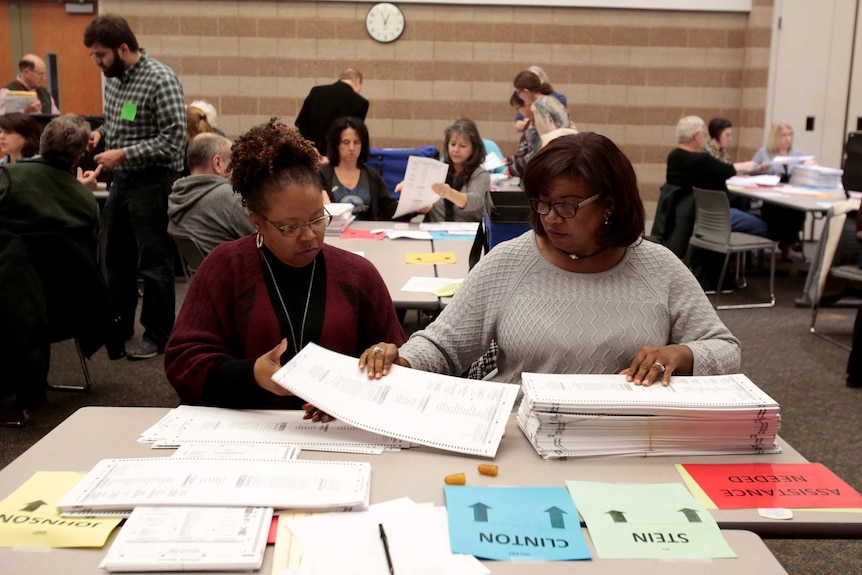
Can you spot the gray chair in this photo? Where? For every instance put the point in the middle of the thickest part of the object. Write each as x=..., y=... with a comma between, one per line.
x=712, y=232
x=822, y=264
x=190, y=252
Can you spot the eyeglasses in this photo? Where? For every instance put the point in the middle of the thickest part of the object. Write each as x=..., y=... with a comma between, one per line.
x=316, y=225
x=562, y=209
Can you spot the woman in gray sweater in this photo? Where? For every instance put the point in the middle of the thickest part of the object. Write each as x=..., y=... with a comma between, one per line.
x=581, y=292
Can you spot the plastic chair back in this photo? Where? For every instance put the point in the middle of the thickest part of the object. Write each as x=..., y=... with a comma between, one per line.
x=712, y=216
x=190, y=252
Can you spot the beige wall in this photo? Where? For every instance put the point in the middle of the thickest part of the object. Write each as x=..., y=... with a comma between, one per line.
x=627, y=74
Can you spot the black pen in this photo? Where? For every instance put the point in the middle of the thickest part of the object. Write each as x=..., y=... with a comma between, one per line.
x=386, y=548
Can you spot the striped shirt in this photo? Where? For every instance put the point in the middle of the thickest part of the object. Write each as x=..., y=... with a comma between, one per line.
x=145, y=116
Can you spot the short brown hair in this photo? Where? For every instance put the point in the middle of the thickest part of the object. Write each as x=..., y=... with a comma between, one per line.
x=595, y=160
x=64, y=140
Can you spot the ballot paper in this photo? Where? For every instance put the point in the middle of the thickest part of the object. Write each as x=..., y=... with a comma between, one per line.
x=572, y=415
x=192, y=424
x=190, y=539
x=17, y=100
x=123, y=484
x=445, y=412
x=416, y=193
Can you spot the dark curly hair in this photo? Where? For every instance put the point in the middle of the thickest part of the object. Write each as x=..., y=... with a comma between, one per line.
x=269, y=158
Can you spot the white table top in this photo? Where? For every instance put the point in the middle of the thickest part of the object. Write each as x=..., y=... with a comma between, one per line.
x=813, y=201
x=95, y=433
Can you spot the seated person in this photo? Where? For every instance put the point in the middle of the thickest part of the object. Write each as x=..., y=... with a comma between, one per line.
x=19, y=138
x=785, y=224
x=536, y=80
x=204, y=205
x=466, y=194
x=689, y=166
x=256, y=301
x=581, y=292
x=49, y=224
x=720, y=135
x=347, y=178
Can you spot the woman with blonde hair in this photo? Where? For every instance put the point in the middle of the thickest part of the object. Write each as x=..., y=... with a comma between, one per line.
x=785, y=224
x=196, y=123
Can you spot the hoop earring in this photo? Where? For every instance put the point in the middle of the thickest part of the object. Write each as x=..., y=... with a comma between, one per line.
x=259, y=240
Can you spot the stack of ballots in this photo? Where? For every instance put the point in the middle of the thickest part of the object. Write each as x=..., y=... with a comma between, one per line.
x=574, y=416
x=342, y=216
x=817, y=177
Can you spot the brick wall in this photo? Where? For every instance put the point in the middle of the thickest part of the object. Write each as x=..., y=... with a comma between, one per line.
x=628, y=74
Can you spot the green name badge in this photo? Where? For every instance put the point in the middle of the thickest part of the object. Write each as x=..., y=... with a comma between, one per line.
x=130, y=111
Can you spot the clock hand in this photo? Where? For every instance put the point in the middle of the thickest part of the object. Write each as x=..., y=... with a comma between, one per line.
x=386, y=19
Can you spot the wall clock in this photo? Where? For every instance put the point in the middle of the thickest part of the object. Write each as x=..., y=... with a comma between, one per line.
x=384, y=22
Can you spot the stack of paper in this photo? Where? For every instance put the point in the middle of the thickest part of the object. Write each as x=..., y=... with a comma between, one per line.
x=122, y=484
x=417, y=541
x=817, y=177
x=190, y=539
x=574, y=415
x=342, y=216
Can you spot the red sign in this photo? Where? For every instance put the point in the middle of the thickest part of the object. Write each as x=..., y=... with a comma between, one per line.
x=792, y=486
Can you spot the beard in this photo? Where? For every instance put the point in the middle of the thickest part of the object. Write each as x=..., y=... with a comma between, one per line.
x=116, y=68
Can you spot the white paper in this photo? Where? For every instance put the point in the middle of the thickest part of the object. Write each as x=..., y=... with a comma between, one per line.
x=761, y=180
x=417, y=193
x=237, y=451
x=428, y=285
x=190, y=539
x=123, y=484
x=418, y=539
x=409, y=234
x=493, y=161
x=785, y=160
x=191, y=424
x=451, y=227
x=441, y=411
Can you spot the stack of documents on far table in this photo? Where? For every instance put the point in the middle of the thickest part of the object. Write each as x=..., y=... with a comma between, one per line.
x=817, y=177
x=574, y=415
x=342, y=216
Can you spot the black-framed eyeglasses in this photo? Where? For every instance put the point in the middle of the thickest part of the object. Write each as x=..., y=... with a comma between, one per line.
x=562, y=209
x=293, y=230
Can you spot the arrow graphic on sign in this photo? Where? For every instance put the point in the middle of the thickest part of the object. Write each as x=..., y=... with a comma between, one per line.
x=618, y=516
x=33, y=505
x=480, y=512
x=691, y=515
x=556, y=515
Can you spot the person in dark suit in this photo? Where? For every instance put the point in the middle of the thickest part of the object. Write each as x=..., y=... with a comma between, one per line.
x=326, y=103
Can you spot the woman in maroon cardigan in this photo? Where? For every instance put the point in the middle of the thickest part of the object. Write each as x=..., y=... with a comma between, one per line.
x=255, y=302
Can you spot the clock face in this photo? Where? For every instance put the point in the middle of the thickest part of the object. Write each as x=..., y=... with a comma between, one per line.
x=384, y=22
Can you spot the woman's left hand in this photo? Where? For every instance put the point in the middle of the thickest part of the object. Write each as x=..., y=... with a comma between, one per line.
x=316, y=415
x=653, y=363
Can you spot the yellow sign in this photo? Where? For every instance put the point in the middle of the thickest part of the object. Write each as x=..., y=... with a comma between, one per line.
x=430, y=258
x=29, y=517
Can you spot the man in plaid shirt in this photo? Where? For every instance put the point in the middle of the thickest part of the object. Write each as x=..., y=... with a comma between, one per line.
x=144, y=135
